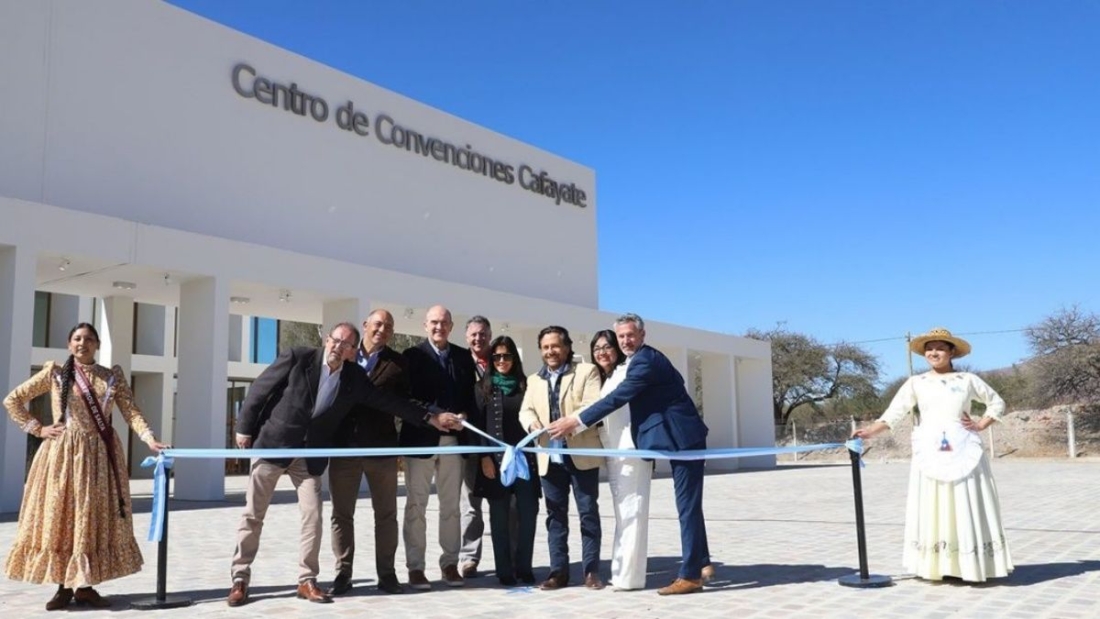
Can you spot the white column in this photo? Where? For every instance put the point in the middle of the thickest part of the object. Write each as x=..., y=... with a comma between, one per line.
x=67, y=311
x=245, y=351
x=755, y=425
x=153, y=400
x=719, y=402
x=237, y=326
x=203, y=372
x=344, y=310
x=115, y=316
x=527, y=340
x=17, y=266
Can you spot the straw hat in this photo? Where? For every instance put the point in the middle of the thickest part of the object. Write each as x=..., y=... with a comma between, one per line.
x=939, y=334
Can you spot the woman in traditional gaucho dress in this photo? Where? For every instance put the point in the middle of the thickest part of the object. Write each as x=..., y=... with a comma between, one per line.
x=75, y=522
x=953, y=523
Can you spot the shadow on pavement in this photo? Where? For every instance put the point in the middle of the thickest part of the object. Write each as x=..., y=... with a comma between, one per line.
x=727, y=576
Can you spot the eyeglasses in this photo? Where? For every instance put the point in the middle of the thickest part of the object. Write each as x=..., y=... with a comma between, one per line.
x=503, y=357
x=340, y=343
x=604, y=348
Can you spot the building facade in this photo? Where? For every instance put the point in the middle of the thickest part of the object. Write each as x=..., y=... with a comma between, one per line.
x=184, y=186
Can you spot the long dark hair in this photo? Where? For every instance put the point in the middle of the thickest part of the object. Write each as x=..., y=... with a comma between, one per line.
x=69, y=369
x=608, y=335
x=486, y=383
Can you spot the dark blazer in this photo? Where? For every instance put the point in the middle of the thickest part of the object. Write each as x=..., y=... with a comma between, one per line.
x=278, y=410
x=450, y=389
x=369, y=427
x=663, y=416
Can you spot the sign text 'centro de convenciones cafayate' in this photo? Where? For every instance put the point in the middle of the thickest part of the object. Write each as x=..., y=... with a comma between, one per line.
x=250, y=85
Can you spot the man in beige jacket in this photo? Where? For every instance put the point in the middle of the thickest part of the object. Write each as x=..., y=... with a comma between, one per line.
x=560, y=389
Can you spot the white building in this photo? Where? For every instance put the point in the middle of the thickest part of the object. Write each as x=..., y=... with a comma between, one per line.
x=169, y=179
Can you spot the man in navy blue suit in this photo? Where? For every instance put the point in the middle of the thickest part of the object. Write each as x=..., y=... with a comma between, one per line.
x=663, y=417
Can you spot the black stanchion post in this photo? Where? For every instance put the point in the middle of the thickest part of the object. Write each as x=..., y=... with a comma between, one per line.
x=863, y=578
x=162, y=599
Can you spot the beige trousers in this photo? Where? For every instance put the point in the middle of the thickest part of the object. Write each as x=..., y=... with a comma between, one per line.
x=447, y=471
x=261, y=487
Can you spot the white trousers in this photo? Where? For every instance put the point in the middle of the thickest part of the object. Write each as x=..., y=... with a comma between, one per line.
x=629, y=481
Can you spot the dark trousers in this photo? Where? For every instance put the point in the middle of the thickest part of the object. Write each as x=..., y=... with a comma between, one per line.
x=514, y=561
x=687, y=479
x=586, y=489
x=344, y=475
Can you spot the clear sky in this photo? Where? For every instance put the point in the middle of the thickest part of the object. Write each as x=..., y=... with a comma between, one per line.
x=853, y=170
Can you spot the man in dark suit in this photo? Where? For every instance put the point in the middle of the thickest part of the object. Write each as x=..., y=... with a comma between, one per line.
x=299, y=401
x=442, y=376
x=365, y=427
x=663, y=417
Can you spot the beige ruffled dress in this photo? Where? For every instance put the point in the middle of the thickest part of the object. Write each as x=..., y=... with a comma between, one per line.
x=70, y=530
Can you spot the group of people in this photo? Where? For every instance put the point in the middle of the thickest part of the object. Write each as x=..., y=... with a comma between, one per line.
x=349, y=393
x=358, y=392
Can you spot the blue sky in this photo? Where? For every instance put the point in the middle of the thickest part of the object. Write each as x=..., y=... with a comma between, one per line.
x=852, y=170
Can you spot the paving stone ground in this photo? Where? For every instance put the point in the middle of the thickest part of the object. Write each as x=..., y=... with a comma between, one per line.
x=780, y=539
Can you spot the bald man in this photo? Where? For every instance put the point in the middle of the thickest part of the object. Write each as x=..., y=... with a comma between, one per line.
x=365, y=427
x=441, y=375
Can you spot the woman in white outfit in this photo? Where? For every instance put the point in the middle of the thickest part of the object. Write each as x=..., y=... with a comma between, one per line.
x=953, y=523
x=628, y=477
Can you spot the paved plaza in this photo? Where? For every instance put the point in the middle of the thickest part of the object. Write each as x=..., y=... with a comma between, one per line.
x=780, y=539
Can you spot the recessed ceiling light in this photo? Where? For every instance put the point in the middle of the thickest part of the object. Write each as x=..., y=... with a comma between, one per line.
x=239, y=300
x=124, y=285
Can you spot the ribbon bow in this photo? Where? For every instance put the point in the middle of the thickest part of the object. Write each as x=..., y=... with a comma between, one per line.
x=161, y=463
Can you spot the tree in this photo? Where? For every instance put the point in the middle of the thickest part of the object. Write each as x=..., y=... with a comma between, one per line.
x=1066, y=364
x=806, y=372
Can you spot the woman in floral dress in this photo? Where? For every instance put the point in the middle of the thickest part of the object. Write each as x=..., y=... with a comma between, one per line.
x=953, y=523
x=75, y=522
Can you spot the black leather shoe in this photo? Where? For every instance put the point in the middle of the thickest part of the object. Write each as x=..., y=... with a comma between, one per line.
x=87, y=596
x=60, y=599
x=527, y=578
x=341, y=585
x=390, y=584
x=556, y=580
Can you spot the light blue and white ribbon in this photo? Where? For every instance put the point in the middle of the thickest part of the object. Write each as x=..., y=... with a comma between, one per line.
x=513, y=463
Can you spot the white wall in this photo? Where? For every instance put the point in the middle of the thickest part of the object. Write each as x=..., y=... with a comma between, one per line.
x=127, y=109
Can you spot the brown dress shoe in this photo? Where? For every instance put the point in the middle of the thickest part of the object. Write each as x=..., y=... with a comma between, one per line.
x=87, y=596
x=418, y=581
x=556, y=580
x=469, y=569
x=308, y=590
x=452, y=578
x=708, y=573
x=60, y=599
x=238, y=594
x=592, y=581
x=682, y=585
